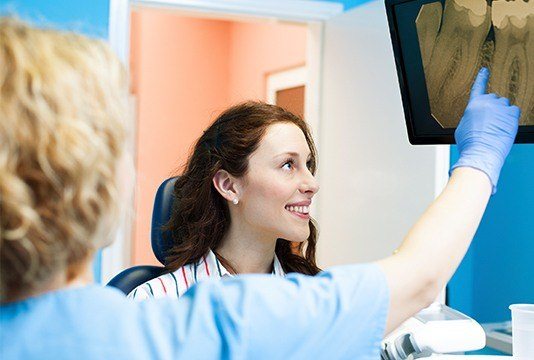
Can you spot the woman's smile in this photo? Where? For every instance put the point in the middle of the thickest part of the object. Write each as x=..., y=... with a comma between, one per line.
x=301, y=209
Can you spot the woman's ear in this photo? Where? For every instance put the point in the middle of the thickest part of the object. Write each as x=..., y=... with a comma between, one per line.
x=225, y=185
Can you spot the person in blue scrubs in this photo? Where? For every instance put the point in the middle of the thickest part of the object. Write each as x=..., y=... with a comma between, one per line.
x=63, y=107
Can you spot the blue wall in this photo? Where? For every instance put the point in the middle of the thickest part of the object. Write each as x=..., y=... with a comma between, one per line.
x=349, y=4
x=498, y=270
x=86, y=16
x=499, y=267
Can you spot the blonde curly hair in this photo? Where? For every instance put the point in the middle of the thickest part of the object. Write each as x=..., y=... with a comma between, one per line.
x=63, y=106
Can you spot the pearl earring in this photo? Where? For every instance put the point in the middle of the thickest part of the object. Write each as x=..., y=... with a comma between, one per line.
x=235, y=201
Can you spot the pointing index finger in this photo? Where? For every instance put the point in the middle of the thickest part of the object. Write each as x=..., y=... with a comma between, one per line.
x=480, y=84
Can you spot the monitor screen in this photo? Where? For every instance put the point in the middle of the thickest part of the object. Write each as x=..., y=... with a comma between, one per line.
x=439, y=47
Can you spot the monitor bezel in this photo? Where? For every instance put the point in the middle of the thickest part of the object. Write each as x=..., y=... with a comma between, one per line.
x=422, y=128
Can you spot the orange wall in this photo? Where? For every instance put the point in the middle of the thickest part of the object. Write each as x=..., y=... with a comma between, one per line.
x=180, y=77
x=258, y=49
x=184, y=72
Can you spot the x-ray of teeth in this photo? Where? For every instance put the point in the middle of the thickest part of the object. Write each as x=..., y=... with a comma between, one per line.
x=513, y=60
x=458, y=38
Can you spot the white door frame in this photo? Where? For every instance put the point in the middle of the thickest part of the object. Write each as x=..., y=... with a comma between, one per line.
x=313, y=13
x=298, y=11
x=285, y=79
x=299, y=76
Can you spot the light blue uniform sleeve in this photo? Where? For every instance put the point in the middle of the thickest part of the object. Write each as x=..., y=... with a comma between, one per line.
x=339, y=314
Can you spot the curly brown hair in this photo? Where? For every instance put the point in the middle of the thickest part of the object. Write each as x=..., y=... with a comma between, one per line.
x=201, y=216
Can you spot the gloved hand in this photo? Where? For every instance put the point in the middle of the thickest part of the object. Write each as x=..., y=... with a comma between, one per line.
x=486, y=131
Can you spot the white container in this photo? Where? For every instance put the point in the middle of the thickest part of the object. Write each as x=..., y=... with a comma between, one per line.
x=523, y=331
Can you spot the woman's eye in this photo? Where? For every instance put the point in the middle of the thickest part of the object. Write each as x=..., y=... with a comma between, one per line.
x=288, y=165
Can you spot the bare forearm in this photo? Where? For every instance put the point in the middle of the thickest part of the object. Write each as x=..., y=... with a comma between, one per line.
x=441, y=237
x=436, y=244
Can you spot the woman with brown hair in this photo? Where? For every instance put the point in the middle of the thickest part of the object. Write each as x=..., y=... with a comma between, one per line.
x=63, y=107
x=243, y=201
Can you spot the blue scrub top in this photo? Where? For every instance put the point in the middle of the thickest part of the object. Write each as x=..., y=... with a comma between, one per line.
x=339, y=314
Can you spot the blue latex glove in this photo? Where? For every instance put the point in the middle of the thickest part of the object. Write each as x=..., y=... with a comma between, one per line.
x=486, y=131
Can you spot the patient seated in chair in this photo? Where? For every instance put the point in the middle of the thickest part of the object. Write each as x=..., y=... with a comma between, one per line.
x=242, y=204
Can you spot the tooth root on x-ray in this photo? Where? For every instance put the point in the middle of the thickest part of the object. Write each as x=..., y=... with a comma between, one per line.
x=513, y=61
x=427, y=23
x=456, y=58
x=452, y=55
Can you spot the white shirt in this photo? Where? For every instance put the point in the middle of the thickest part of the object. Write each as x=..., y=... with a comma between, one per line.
x=175, y=284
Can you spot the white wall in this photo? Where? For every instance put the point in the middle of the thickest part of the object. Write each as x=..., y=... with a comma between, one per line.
x=374, y=184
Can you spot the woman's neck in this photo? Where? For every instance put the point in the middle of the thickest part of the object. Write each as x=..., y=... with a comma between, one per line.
x=75, y=276
x=247, y=252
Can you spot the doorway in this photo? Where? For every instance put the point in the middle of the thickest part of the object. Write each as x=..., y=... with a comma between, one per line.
x=287, y=88
x=189, y=64
x=374, y=184
x=185, y=71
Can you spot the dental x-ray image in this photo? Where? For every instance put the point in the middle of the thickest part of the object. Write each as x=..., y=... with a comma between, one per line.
x=459, y=37
x=440, y=45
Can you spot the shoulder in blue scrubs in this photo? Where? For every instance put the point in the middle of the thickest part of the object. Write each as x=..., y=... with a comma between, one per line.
x=339, y=314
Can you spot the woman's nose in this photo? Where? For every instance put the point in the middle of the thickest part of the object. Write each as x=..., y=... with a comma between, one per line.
x=309, y=184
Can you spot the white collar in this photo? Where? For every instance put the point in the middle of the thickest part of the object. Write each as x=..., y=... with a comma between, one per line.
x=278, y=270
x=221, y=271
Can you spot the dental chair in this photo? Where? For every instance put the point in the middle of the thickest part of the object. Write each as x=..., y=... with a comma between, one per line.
x=129, y=279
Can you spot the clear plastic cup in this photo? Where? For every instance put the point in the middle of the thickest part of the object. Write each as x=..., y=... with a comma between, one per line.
x=523, y=331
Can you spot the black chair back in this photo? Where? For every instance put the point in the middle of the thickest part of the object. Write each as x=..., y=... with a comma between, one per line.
x=131, y=278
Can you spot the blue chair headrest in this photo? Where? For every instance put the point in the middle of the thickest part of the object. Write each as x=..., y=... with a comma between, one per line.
x=163, y=204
